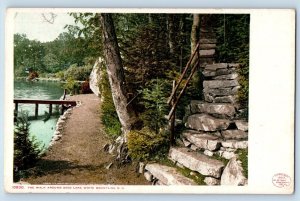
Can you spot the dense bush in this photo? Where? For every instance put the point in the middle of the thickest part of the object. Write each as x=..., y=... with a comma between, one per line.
x=72, y=86
x=147, y=144
x=78, y=72
x=26, y=149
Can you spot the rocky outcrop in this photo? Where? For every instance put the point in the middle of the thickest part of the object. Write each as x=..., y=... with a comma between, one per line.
x=233, y=174
x=95, y=77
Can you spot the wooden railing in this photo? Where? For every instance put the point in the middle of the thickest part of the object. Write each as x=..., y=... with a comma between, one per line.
x=63, y=103
x=173, y=100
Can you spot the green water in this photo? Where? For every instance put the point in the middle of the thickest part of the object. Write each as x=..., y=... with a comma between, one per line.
x=41, y=130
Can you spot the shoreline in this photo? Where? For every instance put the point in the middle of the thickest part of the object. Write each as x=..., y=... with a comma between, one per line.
x=46, y=79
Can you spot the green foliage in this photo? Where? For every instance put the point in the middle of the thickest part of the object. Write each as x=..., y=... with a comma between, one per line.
x=72, y=86
x=109, y=116
x=78, y=72
x=60, y=75
x=243, y=157
x=26, y=149
x=147, y=144
x=154, y=98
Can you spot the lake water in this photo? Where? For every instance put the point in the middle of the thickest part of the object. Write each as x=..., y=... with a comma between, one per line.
x=42, y=130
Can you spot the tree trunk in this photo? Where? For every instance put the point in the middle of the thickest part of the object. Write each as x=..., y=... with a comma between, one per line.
x=171, y=33
x=195, y=31
x=115, y=73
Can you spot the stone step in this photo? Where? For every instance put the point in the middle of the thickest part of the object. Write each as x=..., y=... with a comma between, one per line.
x=221, y=109
x=197, y=162
x=205, y=122
x=234, y=135
x=213, y=84
x=222, y=91
x=168, y=175
x=202, y=140
x=207, y=46
x=207, y=53
x=226, y=77
x=207, y=41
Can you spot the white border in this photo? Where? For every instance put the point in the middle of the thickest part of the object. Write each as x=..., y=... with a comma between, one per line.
x=271, y=103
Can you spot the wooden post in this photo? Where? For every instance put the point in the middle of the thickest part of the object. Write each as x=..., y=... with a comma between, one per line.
x=62, y=109
x=50, y=109
x=172, y=120
x=36, y=110
x=16, y=110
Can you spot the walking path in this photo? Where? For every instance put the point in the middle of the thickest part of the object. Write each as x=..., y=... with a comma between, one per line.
x=78, y=157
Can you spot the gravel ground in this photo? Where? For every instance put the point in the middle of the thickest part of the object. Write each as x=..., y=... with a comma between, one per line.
x=78, y=157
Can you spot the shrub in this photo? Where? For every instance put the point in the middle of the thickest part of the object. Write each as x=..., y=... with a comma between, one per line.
x=26, y=148
x=71, y=86
x=147, y=144
x=60, y=75
x=154, y=98
x=78, y=72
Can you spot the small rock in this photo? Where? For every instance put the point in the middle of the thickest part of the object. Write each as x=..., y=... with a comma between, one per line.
x=228, y=155
x=142, y=167
x=194, y=147
x=241, y=125
x=235, y=144
x=111, y=148
x=109, y=166
x=210, y=181
x=106, y=147
x=208, y=153
x=148, y=176
x=186, y=143
x=233, y=174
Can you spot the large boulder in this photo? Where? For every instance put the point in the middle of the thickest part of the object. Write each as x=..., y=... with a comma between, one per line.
x=95, y=76
x=233, y=174
x=168, y=175
x=205, y=122
x=221, y=109
x=197, y=162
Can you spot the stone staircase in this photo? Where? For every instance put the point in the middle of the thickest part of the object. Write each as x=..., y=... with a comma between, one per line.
x=215, y=131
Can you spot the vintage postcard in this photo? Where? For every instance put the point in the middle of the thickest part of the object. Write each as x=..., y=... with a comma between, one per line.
x=187, y=101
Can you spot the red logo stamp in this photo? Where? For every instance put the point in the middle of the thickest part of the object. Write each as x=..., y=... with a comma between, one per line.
x=281, y=180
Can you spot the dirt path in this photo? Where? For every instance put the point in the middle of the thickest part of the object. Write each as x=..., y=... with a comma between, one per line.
x=78, y=158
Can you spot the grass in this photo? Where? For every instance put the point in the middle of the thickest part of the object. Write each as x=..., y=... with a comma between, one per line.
x=243, y=157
